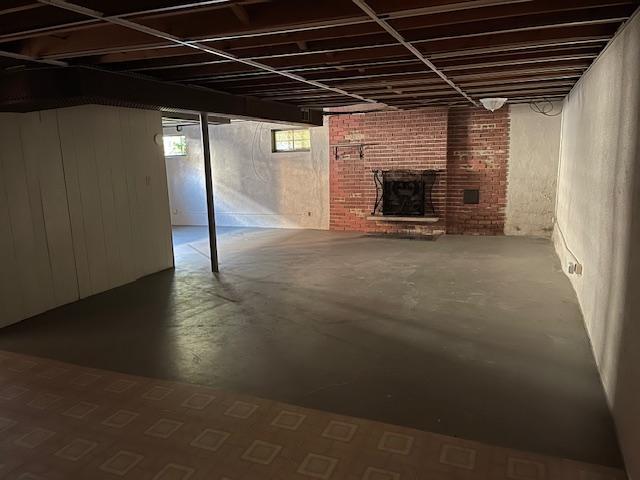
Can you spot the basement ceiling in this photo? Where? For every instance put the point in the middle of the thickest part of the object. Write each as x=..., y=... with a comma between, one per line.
x=328, y=53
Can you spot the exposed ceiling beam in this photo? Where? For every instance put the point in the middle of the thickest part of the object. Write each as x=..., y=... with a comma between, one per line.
x=334, y=52
x=241, y=13
x=338, y=58
x=44, y=88
x=395, y=34
x=429, y=43
x=490, y=41
x=89, y=22
x=477, y=11
x=423, y=84
x=192, y=117
x=28, y=58
x=195, y=45
x=19, y=8
x=199, y=7
x=321, y=64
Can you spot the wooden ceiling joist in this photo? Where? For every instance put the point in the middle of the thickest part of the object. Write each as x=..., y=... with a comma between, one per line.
x=405, y=53
x=136, y=27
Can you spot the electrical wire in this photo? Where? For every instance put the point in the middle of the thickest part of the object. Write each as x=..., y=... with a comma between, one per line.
x=564, y=241
x=544, y=107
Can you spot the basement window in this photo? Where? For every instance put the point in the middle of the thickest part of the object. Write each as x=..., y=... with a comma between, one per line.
x=175, y=145
x=298, y=140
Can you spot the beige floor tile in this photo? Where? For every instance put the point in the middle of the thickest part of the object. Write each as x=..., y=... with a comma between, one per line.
x=318, y=466
x=261, y=452
x=64, y=422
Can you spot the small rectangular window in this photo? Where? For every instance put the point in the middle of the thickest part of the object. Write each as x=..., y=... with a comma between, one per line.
x=175, y=145
x=291, y=140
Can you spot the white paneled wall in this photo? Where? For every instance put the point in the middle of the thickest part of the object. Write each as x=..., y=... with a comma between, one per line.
x=83, y=205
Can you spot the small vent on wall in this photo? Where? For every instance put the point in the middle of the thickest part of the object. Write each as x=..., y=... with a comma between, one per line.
x=471, y=197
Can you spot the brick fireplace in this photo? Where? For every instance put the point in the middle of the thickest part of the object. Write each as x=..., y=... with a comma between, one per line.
x=464, y=149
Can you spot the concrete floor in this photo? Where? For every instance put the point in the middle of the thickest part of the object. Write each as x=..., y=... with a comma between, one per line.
x=477, y=337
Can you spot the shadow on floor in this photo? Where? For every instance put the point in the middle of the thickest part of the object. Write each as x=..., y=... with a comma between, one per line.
x=476, y=337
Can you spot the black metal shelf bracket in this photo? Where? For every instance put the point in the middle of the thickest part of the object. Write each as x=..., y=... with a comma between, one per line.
x=355, y=146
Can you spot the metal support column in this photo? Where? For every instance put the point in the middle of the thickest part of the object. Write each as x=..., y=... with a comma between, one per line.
x=206, y=152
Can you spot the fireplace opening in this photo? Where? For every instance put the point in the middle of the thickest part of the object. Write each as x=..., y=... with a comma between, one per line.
x=404, y=193
x=403, y=197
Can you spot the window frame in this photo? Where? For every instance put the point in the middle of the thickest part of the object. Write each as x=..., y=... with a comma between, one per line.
x=274, y=148
x=186, y=151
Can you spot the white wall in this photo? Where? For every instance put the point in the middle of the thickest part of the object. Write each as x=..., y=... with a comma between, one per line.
x=534, y=144
x=252, y=185
x=598, y=211
x=185, y=178
x=83, y=205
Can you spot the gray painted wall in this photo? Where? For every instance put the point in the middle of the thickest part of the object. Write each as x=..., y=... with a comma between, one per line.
x=252, y=185
x=185, y=180
x=598, y=217
x=534, y=145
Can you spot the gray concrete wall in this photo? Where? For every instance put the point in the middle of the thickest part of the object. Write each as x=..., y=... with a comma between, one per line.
x=598, y=222
x=534, y=144
x=185, y=180
x=252, y=185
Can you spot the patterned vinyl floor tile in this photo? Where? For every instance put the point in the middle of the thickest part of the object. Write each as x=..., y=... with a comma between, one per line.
x=61, y=421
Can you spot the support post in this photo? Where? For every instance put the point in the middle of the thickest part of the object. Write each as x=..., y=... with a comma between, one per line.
x=206, y=152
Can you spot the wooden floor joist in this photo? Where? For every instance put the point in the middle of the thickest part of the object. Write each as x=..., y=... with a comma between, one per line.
x=310, y=53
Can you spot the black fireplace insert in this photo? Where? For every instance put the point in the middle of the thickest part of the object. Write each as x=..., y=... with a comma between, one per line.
x=404, y=193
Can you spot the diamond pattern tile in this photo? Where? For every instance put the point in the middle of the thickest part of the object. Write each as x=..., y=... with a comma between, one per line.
x=34, y=438
x=288, y=420
x=198, y=401
x=31, y=476
x=519, y=469
x=120, y=419
x=75, y=450
x=157, y=393
x=340, y=431
x=396, y=443
x=120, y=386
x=6, y=423
x=210, y=439
x=80, y=410
x=163, y=428
x=372, y=473
x=317, y=466
x=174, y=472
x=261, y=452
x=44, y=401
x=85, y=379
x=67, y=419
x=11, y=392
x=121, y=462
x=241, y=410
x=53, y=372
x=458, y=456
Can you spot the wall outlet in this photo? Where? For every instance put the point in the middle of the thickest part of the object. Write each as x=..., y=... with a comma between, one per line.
x=574, y=268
